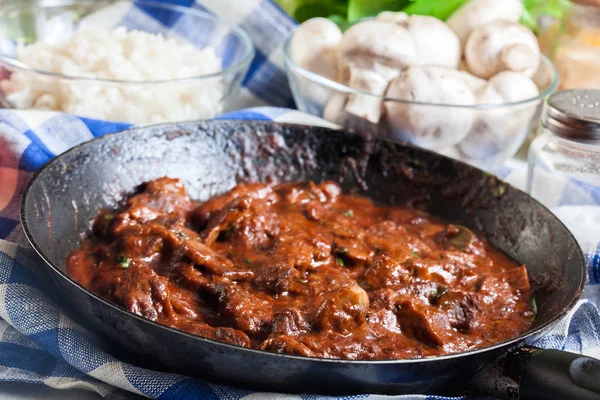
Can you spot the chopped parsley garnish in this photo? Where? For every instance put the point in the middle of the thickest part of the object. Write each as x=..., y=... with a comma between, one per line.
x=439, y=292
x=348, y=213
x=124, y=261
x=341, y=262
x=108, y=217
x=182, y=235
x=341, y=250
x=248, y=261
x=226, y=234
x=414, y=254
x=533, y=306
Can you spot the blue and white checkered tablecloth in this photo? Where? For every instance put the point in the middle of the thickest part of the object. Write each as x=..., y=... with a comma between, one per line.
x=40, y=344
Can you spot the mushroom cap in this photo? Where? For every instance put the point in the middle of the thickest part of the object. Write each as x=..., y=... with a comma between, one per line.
x=501, y=130
x=476, y=13
x=325, y=63
x=373, y=42
x=392, y=16
x=435, y=42
x=473, y=82
x=430, y=126
x=507, y=87
x=312, y=36
x=502, y=45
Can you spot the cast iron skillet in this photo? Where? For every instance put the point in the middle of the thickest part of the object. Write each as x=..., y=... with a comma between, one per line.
x=211, y=157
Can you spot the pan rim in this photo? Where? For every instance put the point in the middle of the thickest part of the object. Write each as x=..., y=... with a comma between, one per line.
x=431, y=359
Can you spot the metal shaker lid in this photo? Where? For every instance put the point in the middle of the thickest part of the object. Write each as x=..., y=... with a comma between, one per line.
x=574, y=114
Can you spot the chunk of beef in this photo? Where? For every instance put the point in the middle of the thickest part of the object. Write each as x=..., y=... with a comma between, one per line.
x=395, y=241
x=303, y=250
x=423, y=323
x=138, y=288
x=276, y=275
x=243, y=310
x=246, y=221
x=289, y=322
x=343, y=310
x=201, y=215
x=433, y=270
x=283, y=344
x=203, y=256
x=464, y=310
x=385, y=271
x=352, y=251
x=164, y=194
x=148, y=248
x=518, y=278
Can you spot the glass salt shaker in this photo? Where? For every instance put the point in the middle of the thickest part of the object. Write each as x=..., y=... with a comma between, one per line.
x=564, y=164
x=564, y=161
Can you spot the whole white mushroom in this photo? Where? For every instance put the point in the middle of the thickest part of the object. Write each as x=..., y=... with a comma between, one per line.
x=494, y=131
x=434, y=126
x=375, y=53
x=477, y=13
x=435, y=42
x=314, y=46
x=502, y=46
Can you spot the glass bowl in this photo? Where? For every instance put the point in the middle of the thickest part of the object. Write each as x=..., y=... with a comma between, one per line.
x=492, y=134
x=133, y=101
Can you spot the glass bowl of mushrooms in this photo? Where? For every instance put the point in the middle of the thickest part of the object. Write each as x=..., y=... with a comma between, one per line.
x=470, y=91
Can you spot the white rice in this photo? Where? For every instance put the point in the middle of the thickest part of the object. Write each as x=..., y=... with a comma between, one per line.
x=118, y=55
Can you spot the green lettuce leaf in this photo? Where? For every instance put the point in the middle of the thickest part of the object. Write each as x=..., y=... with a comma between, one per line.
x=344, y=12
x=440, y=9
x=358, y=9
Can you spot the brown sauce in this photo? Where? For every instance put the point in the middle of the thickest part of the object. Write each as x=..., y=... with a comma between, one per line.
x=301, y=268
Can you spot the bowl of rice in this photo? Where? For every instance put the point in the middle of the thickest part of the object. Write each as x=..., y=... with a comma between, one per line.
x=128, y=61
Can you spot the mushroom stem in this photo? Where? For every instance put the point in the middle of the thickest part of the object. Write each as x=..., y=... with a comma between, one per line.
x=375, y=53
x=367, y=106
x=519, y=58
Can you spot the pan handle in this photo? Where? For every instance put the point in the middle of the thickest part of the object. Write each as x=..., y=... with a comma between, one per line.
x=531, y=373
x=554, y=374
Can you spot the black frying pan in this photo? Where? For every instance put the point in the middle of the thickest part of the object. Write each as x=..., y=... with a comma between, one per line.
x=211, y=157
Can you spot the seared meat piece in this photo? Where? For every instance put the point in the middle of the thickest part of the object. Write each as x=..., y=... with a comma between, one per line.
x=463, y=309
x=244, y=311
x=276, y=276
x=352, y=251
x=205, y=211
x=164, y=194
x=138, y=288
x=289, y=322
x=422, y=323
x=203, y=256
x=343, y=310
x=286, y=345
x=385, y=271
